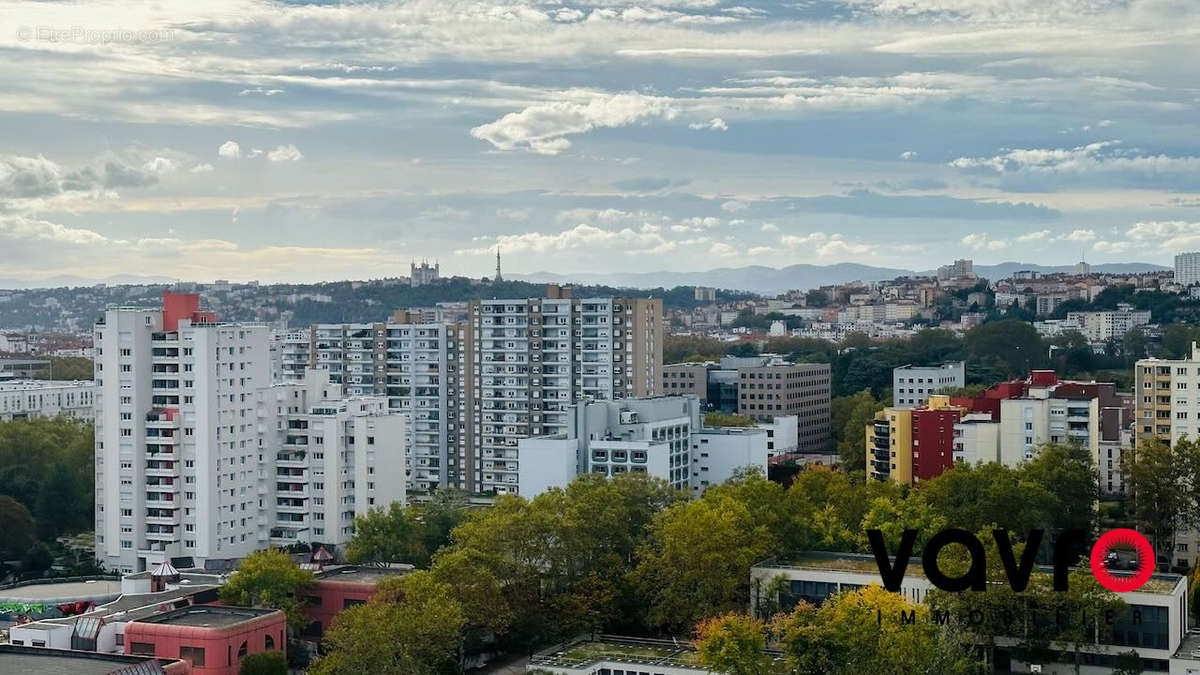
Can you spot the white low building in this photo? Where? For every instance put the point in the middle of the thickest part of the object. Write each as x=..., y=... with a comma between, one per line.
x=661, y=436
x=28, y=399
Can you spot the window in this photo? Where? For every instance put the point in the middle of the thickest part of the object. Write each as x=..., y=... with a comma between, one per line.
x=195, y=655
x=243, y=650
x=270, y=643
x=142, y=648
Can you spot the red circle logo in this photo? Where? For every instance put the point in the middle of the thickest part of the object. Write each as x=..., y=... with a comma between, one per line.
x=1115, y=573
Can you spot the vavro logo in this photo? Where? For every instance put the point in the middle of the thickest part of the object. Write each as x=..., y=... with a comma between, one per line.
x=1121, y=560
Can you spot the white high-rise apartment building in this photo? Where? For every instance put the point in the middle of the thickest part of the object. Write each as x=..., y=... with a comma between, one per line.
x=334, y=458
x=177, y=456
x=412, y=365
x=194, y=445
x=1104, y=326
x=1187, y=268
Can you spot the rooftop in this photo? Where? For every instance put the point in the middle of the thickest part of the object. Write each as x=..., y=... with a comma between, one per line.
x=42, y=661
x=583, y=651
x=49, y=592
x=29, y=385
x=355, y=574
x=211, y=616
x=862, y=563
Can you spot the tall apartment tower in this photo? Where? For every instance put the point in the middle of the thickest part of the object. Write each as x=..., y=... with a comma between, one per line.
x=525, y=361
x=178, y=461
x=1167, y=398
x=413, y=365
x=1187, y=268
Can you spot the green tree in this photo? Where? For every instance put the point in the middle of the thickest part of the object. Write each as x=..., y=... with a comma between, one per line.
x=387, y=535
x=413, y=626
x=849, y=417
x=1068, y=472
x=264, y=663
x=977, y=497
x=733, y=644
x=862, y=632
x=698, y=561
x=1014, y=342
x=270, y=579
x=1162, y=481
x=17, y=525
x=60, y=505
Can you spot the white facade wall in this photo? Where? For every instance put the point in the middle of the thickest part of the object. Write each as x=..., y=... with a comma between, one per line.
x=977, y=439
x=1187, y=268
x=912, y=385
x=782, y=435
x=29, y=399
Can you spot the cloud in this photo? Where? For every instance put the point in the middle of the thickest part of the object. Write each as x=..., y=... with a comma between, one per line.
x=1102, y=162
x=770, y=227
x=981, y=242
x=734, y=205
x=648, y=184
x=715, y=124
x=24, y=177
x=20, y=227
x=1039, y=235
x=201, y=168
x=285, y=153
x=909, y=154
x=229, y=150
x=543, y=128
x=630, y=241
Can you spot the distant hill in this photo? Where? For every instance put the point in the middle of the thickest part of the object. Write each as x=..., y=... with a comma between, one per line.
x=771, y=280
x=756, y=278
x=72, y=281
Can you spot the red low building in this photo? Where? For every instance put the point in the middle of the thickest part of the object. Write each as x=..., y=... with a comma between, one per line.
x=212, y=639
x=337, y=588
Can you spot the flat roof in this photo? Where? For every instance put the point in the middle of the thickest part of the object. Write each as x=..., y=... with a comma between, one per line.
x=861, y=563
x=213, y=616
x=43, y=661
x=361, y=574
x=64, y=592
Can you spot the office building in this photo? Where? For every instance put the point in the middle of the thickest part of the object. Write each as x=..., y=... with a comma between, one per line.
x=30, y=399
x=687, y=379
x=782, y=389
x=661, y=436
x=1187, y=268
x=912, y=385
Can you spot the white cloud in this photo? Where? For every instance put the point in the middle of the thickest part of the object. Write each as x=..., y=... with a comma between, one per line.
x=1039, y=235
x=715, y=124
x=285, y=153
x=229, y=150
x=644, y=240
x=909, y=154
x=159, y=166
x=1102, y=156
x=982, y=242
x=770, y=227
x=201, y=168
x=543, y=127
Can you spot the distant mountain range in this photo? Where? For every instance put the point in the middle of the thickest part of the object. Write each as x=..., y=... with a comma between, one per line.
x=771, y=280
x=68, y=280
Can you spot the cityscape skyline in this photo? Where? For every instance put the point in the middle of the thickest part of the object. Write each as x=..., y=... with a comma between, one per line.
x=668, y=133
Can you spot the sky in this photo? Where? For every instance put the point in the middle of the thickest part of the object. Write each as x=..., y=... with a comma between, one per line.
x=287, y=141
